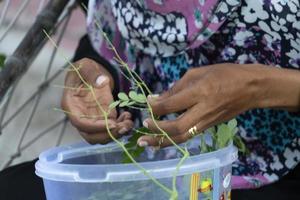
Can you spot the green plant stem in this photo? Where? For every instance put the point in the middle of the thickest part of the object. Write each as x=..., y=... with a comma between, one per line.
x=180, y=163
x=151, y=134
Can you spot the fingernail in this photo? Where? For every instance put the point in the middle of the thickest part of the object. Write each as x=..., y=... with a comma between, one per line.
x=100, y=79
x=153, y=96
x=145, y=123
x=142, y=143
x=123, y=130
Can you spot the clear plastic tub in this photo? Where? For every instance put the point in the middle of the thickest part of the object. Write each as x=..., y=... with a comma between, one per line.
x=86, y=172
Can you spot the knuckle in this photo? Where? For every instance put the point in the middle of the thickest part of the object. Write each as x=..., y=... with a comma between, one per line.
x=177, y=127
x=183, y=126
x=162, y=108
x=171, y=91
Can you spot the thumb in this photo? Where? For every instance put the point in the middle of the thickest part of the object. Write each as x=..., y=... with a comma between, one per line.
x=91, y=73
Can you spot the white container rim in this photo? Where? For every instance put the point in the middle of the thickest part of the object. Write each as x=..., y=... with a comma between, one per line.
x=50, y=166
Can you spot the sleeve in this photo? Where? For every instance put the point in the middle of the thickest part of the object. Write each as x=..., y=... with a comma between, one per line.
x=85, y=50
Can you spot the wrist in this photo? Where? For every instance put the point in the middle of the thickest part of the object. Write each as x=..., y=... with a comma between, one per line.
x=278, y=88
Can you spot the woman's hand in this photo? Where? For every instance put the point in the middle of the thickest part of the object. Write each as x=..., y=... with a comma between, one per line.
x=82, y=109
x=214, y=94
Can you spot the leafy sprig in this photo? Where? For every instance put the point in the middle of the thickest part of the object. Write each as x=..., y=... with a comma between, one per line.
x=132, y=100
x=222, y=135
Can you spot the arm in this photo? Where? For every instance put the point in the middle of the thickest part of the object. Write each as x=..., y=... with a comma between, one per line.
x=280, y=88
x=218, y=93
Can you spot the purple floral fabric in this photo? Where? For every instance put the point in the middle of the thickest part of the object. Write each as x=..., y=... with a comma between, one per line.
x=162, y=39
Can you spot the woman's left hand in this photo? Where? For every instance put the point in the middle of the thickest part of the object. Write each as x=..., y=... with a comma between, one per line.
x=208, y=96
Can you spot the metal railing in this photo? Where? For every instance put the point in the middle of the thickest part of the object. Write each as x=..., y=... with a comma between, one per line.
x=54, y=16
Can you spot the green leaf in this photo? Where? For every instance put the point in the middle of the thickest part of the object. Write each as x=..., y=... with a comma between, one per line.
x=124, y=103
x=135, y=150
x=224, y=135
x=2, y=60
x=232, y=124
x=133, y=95
x=114, y=104
x=131, y=103
x=235, y=130
x=122, y=96
x=141, y=98
x=212, y=130
x=238, y=142
x=204, y=146
x=135, y=153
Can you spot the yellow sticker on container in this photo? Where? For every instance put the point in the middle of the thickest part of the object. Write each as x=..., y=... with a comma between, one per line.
x=195, y=180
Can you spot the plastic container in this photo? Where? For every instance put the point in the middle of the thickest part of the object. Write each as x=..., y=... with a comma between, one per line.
x=86, y=172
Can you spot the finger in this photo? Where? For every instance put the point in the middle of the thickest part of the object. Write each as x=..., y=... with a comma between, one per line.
x=91, y=73
x=180, y=101
x=123, y=116
x=125, y=126
x=186, y=81
x=177, y=126
x=99, y=138
x=91, y=126
x=160, y=141
x=193, y=130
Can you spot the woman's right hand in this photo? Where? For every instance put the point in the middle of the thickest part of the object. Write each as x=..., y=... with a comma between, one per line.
x=82, y=109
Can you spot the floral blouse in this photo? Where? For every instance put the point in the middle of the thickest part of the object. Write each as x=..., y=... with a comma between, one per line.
x=162, y=39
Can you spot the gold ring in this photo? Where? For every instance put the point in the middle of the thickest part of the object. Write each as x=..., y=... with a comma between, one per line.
x=193, y=131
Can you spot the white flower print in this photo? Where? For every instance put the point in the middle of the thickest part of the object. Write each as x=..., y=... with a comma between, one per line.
x=278, y=24
x=279, y=4
x=293, y=18
x=294, y=53
x=159, y=2
x=265, y=27
x=262, y=163
x=242, y=36
x=246, y=58
x=223, y=7
x=271, y=177
x=270, y=41
x=254, y=11
x=276, y=164
x=294, y=5
x=233, y=2
x=202, y=2
x=292, y=158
